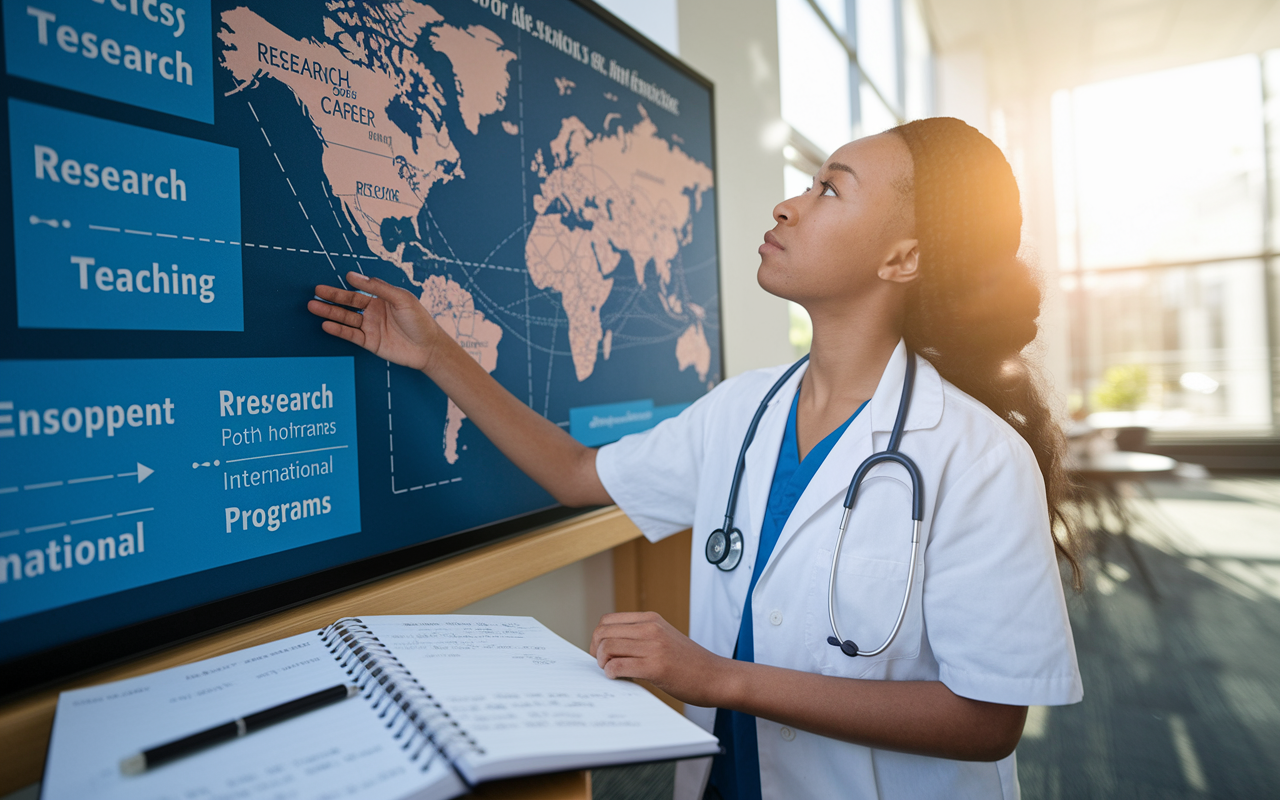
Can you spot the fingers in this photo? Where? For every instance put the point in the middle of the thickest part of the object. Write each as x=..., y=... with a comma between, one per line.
x=612, y=649
x=631, y=625
x=333, y=294
x=625, y=668
x=379, y=288
x=338, y=314
x=367, y=290
x=354, y=335
x=634, y=630
x=629, y=617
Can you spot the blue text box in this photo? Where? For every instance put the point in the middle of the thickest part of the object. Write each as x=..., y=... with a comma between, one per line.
x=148, y=470
x=156, y=55
x=598, y=425
x=119, y=227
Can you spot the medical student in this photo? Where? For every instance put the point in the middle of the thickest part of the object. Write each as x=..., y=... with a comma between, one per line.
x=905, y=244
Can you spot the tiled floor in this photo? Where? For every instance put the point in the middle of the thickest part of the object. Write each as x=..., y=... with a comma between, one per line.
x=1182, y=684
x=640, y=782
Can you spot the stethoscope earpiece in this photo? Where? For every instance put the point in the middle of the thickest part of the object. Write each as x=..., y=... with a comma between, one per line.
x=725, y=551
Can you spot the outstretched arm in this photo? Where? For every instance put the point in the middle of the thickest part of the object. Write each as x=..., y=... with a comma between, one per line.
x=390, y=323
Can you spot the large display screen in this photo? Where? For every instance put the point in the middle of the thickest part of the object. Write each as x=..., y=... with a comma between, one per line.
x=181, y=446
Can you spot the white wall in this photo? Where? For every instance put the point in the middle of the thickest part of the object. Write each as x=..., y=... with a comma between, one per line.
x=569, y=601
x=962, y=88
x=656, y=19
x=735, y=44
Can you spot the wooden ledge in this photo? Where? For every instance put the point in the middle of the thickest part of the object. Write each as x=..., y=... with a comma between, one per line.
x=434, y=589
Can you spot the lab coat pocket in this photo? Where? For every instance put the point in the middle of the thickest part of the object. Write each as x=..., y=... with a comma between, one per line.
x=871, y=579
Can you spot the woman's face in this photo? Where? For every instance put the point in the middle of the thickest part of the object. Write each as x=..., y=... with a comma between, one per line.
x=850, y=234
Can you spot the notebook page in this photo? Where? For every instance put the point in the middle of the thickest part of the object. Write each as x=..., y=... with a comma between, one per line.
x=531, y=700
x=341, y=750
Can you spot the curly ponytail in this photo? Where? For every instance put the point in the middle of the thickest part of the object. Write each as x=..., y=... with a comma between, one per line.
x=974, y=308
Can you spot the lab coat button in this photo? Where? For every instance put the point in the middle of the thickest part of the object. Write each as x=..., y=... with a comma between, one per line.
x=788, y=734
x=775, y=617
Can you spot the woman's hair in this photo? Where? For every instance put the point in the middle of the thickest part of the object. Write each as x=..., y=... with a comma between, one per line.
x=974, y=307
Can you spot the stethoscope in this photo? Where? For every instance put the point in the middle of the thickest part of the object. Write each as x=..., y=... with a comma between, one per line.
x=725, y=550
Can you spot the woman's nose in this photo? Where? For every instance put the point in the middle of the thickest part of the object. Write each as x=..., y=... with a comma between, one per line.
x=784, y=212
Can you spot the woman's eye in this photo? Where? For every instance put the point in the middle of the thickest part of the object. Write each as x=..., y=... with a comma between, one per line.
x=828, y=190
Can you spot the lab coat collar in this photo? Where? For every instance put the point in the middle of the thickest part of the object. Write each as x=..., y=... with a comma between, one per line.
x=926, y=397
x=832, y=478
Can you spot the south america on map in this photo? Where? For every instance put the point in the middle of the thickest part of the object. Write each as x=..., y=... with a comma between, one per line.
x=542, y=199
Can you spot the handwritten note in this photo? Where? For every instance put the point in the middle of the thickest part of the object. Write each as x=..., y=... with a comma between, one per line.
x=340, y=751
x=527, y=696
x=514, y=699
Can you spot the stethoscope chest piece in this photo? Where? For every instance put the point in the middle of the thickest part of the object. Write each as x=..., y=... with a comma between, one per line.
x=725, y=550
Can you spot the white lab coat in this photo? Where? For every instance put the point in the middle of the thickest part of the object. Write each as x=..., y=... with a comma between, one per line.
x=986, y=615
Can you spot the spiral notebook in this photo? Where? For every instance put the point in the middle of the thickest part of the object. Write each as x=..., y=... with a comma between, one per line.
x=446, y=702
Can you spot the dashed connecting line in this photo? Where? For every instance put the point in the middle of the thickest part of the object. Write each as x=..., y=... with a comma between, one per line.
x=305, y=250
x=110, y=229
x=477, y=264
x=324, y=251
x=53, y=525
x=391, y=450
x=329, y=198
x=524, y=212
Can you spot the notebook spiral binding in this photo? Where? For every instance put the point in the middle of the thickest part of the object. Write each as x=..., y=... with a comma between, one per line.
x=424, y=725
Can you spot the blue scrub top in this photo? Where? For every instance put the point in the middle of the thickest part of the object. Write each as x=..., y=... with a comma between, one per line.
x=735, y=775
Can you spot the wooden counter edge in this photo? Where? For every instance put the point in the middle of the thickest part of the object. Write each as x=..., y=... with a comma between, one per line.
x=555, y=786
x=433, y=589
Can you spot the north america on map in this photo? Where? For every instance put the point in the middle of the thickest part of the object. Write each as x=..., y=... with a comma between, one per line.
x=380, y=87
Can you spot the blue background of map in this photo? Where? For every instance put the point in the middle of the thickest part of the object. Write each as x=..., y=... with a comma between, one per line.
x=477, y=220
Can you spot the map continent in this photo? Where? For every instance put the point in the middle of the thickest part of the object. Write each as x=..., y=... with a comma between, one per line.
x=380, y=86
x=603, y=195
x=453, y=309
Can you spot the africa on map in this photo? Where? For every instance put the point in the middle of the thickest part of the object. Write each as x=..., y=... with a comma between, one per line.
x=549, y=202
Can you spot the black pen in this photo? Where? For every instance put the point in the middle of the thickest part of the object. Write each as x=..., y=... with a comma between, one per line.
x=154, y=757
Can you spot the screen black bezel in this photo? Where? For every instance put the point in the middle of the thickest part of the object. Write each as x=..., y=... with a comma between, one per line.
x=33, y=672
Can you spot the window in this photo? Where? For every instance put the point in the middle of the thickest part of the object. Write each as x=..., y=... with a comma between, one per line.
x=879, y=47
x=1161, y=185
x=814, y=72
x=917, y=62
x=848, y=68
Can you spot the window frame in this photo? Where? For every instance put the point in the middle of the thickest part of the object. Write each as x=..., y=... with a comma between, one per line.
x=1076, y=276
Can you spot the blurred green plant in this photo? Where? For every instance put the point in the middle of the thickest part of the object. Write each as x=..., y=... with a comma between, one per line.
x=1123, y=388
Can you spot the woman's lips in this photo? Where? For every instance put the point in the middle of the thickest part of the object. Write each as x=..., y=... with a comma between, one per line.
x=771, y=244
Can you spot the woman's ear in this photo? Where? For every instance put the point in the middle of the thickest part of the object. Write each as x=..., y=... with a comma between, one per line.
x=903, y=264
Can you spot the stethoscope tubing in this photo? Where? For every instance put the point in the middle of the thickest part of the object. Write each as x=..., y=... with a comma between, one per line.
x=741, y=465
x=725, y=545
x=847, y=645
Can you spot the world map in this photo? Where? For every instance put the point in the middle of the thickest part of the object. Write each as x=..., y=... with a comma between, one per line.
x=405, y=100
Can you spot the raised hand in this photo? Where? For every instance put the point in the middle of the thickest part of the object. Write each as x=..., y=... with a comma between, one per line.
x=393, y=325
x=390, y=323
